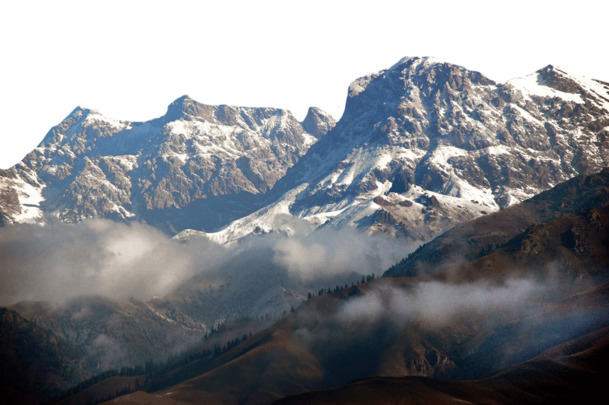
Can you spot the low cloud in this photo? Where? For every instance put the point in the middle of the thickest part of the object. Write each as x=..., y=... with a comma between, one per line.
x=116, y=260
x=332, y=252
x=61, y=261
x=386, y=311
x=438, y=304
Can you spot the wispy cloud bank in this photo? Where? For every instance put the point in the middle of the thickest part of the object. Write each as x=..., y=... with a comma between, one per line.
x=116, y=260
x=331, y=252
x=95, y=257
x=437, y=304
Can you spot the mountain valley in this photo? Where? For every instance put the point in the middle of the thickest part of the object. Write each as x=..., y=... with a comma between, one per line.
x=482, y=320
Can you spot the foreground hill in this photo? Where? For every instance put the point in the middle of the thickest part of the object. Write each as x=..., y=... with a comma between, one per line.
x=34, y=362
x=573, y=372
x=281, y=361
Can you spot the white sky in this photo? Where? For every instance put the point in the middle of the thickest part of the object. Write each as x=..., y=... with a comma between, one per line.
x=131, y=59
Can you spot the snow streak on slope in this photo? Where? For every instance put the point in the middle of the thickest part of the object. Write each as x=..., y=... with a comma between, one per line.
x=24, y=198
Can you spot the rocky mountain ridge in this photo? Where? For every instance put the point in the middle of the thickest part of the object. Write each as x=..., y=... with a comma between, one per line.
x=171, y=171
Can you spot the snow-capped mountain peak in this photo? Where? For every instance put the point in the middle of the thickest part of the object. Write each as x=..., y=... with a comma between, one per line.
x=551, y=81
x=427, y=144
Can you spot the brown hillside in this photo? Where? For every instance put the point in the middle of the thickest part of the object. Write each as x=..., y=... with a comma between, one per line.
x=556, y=377
x=468, y=241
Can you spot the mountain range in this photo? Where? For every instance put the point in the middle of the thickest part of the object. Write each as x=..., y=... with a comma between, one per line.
x=494, y=194
x=421, y=146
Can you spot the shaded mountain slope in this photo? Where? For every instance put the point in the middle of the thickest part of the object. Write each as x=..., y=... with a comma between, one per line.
x=573, y=372
x=472, y=239
x=35, y=364
x=112, y=334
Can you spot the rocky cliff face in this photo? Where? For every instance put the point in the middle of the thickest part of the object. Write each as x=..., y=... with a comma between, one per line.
x=425, y=145
x=196, y=157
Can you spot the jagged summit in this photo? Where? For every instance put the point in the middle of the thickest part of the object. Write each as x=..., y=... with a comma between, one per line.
x=81, y=118
x=557, y=79
x=77, y=114
x=555, y=83
x=318, y=122
x=180, y=104
x=418, y=60
x=187, y=108
x=408, y=79
x=78, y=111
